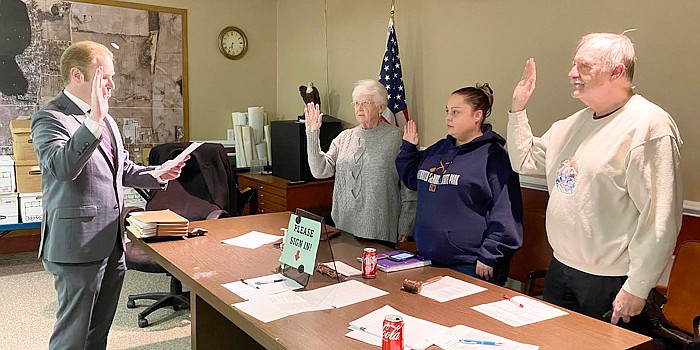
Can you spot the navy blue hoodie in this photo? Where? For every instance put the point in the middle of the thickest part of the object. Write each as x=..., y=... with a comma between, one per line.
x=469, y=203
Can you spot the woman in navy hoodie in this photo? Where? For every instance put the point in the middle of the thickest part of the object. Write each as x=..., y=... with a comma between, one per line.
x=469, y=210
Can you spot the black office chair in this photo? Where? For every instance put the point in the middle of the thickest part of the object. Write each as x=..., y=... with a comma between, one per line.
x=137, y=259
x=203, y=191
x=675, y=317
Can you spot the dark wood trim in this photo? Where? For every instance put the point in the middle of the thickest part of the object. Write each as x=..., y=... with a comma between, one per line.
x=20, y=242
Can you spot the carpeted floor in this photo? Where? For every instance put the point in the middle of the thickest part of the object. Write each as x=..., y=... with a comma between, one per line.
x=28, y=308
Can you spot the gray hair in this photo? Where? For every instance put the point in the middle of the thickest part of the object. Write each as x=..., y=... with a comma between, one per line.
x=612, y=49
x=372, y=88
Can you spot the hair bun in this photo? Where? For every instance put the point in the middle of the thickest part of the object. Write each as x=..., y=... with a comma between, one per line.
x=487, y=90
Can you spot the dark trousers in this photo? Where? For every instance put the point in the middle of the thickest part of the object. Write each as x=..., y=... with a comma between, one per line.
x=88, y=294
x=581, y=292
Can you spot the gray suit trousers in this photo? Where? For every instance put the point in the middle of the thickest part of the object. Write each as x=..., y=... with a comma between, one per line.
x=88, y=294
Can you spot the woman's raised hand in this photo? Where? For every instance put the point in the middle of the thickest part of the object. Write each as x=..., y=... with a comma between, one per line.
x=410, y=133
x=313, y=117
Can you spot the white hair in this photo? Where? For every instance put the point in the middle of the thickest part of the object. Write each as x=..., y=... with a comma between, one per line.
x=612, y=49
x=372, y=88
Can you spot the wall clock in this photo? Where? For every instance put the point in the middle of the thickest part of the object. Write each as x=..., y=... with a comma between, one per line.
x=233, y=43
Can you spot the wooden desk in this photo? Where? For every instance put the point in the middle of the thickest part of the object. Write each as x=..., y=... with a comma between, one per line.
x=204, y=263
x=276, y=194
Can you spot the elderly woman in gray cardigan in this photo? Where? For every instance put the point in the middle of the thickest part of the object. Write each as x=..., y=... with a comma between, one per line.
x=369, y=199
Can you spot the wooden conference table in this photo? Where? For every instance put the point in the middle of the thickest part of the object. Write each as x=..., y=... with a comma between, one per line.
x=204, y=263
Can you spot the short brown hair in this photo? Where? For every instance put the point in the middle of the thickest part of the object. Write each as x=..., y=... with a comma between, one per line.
x=80, y=55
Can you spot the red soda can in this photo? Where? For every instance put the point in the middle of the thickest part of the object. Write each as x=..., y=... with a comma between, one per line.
x=369, y=263
x=392, y=333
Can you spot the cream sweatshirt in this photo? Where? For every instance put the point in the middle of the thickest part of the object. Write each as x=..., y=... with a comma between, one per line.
x=616, y=194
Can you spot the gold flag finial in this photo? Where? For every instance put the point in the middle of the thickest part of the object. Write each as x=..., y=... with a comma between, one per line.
x=393, y=2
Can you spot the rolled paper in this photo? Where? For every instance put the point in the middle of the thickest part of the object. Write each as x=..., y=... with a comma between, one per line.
x=256, y=120
x=268, y=141
x=262, y=152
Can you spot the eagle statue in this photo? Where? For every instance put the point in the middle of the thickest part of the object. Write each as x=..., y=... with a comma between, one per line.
x=309, y=94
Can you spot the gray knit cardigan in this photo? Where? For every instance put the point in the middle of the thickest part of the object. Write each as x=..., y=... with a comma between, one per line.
x=369, y=199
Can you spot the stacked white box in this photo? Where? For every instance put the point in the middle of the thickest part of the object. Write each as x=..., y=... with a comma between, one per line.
x=9, y=212
x=133, y=198
x=7, y=174
x=30, y=207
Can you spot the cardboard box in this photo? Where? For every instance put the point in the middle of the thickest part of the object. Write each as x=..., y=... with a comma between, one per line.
x=30, y=207
x=22, y=146
x=28, y=176
x=21, y=131
x=133, y=198
x=8, y=208
x=7, y=174
x=24, y=151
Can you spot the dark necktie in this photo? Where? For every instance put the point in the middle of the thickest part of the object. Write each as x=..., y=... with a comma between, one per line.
x=107, y=143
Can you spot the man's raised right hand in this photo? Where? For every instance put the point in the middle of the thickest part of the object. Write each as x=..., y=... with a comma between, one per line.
x=99, y=105
x=525, y=87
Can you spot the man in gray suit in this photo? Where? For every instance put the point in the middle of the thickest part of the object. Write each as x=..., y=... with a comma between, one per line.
x=84, y=165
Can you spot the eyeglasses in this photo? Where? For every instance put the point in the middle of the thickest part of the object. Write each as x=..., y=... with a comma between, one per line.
x=361, y=104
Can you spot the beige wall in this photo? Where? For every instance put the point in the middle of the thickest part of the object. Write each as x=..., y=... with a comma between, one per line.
x=217, y=85
x=447, y=44
x=301, y=34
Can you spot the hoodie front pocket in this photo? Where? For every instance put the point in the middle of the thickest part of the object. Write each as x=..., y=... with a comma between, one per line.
x=442, y=246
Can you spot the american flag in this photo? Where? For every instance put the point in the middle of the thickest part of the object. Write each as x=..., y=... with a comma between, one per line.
x=396, y=112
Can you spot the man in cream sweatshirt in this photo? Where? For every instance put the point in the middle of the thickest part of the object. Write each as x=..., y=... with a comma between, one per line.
x=614, y=180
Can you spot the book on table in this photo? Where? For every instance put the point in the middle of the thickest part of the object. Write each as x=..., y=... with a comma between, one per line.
x=387, y=265
x=157, y=223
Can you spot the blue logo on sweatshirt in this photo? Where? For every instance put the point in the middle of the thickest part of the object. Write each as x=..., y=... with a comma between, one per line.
x=567, y=176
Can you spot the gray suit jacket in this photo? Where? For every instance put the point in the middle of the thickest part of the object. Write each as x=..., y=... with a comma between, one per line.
x=82, y=189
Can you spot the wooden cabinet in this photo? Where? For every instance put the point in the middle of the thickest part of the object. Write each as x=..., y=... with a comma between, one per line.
x=276, y=194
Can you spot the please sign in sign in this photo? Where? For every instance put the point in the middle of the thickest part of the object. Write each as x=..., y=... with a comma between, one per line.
x=301, y=244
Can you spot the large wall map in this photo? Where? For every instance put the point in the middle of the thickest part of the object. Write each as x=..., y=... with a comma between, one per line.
x=148, y=102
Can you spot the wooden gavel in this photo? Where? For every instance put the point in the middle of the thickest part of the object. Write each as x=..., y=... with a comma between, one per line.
x=414, y=287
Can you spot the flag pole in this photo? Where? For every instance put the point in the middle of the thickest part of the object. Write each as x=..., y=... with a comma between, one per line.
x=393, y=2
x=390, y=75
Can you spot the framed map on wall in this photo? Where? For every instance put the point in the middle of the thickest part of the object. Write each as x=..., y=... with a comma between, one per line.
x=150, y=102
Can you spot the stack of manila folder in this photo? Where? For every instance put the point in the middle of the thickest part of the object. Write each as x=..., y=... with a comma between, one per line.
x=157, y=223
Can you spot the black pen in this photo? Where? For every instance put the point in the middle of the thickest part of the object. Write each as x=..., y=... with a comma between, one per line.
x=248, y=284
x=266, y=282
